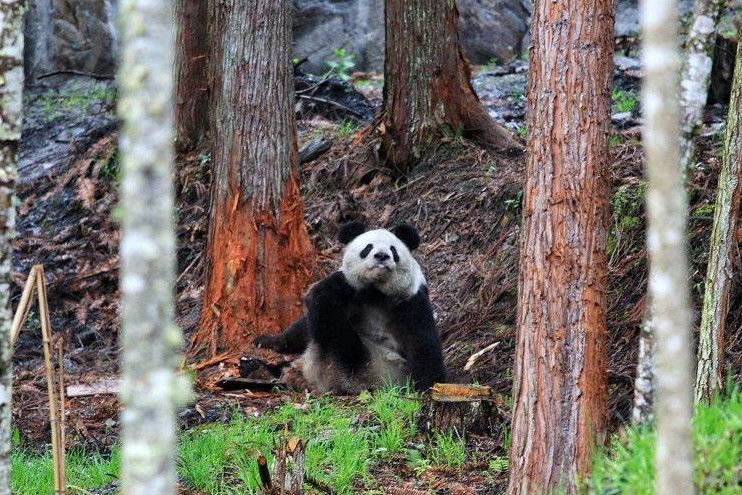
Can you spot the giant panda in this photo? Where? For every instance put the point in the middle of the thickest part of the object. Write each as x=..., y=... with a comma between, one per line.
x=370, y=323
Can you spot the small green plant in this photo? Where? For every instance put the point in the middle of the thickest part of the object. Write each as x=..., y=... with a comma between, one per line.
x=448, y=450
x=623, y=101
x=615, y=140
x=346, y=129
x=54, y=103
x=340, y=65
x=498, y=464
x=522, y=131
x=490, y=66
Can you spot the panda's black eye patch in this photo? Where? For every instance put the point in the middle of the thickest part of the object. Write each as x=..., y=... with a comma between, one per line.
x=366, y=250
x=395, y=254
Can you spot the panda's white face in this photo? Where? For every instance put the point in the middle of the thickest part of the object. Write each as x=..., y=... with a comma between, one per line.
x=378, y=258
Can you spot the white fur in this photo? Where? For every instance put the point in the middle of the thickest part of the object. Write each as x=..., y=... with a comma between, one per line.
x=396, y=279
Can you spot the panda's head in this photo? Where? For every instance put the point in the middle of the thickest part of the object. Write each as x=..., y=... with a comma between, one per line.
x=382, y=259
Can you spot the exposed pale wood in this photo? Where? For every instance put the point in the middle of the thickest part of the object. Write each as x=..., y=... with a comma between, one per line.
x=475, y=357
x=722, y=246
x=97, y=388
x=62, y=411
x=454, y=392
x=667, y=208
x=560, y=382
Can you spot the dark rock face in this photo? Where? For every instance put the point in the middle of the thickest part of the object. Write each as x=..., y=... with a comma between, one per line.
x=489, y=29
x=74, y=35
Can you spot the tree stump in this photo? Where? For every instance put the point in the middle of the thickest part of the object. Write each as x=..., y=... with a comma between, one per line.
x=453, y=407
x=288, y=475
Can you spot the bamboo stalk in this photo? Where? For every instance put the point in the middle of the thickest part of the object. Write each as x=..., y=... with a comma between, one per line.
x=57, y=454
x=62, y=411
x=23, y=306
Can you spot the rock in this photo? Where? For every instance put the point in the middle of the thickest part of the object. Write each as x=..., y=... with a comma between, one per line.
x=627, y=16
x=489, y=29
x=624, y=63
x=66, y=35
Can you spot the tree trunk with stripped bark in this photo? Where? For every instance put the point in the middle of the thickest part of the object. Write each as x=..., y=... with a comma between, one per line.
x=426, y=85
x=151, y=343
x=11, y=105
x=722, y=248
x=259, y=253
x=560, y=389
x=667, y=208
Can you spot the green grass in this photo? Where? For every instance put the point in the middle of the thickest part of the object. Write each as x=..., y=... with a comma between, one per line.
x=627, y=467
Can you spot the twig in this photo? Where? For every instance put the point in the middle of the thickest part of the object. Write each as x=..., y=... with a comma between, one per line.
x=23, y=306
x=265, y=475
x=76, y=73
x=62, y=410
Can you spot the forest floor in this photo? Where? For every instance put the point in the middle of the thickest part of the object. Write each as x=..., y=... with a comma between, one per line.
x=465, y=201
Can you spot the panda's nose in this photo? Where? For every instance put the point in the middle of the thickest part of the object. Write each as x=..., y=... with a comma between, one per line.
x=381, y=256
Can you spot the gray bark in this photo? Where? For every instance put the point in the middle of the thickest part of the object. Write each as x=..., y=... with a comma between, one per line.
x=668, y=278
x=710, y=372
x=150, y=390
x=643, y=412
x=696, y=76
x=11, y=103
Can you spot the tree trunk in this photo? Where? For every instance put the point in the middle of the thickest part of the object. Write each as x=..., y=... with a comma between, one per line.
x=426, y=85
x=710, y=372
x=11, y=105
x=666, y=231
x=150, y=390
x=643, y=411
x=560, y=366
x=191, y=57
x=260, y=256
x=697, y=73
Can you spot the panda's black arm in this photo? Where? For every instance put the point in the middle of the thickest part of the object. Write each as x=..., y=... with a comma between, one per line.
x=293, y=340
x=421, y=342
x=329, y=322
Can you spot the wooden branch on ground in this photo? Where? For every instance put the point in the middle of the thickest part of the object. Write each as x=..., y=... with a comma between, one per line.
x=314, y=149
x=23, y=306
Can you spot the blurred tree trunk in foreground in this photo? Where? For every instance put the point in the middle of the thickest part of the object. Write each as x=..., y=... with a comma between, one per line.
x=696, y=75
x=643, y=410
x=666, y=233
x=426, y=85
x=11, y=106
x=259, y=254
x=191, y=62
x=560, y=395
x=150, y=390
x=723, y=244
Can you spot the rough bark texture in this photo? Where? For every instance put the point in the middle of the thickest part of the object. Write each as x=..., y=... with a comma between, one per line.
x=191, y=88
x=11, y=103
x=260, y=256
x=150, y=390
x=697, y=73
x=723, y=244
x=666, y=232
x=643, y=411
x=560, y=367
x=426, y=84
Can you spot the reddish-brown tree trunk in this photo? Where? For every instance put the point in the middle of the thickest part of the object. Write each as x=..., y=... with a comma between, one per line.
x=426, y=85
x=260, y=256
x=191, y=62
x=560, y=367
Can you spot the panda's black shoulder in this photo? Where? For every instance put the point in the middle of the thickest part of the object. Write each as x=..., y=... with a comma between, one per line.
x=333, y=287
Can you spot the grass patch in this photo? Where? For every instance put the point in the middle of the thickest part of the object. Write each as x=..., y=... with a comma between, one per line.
x=32, y=474
x=628, y=465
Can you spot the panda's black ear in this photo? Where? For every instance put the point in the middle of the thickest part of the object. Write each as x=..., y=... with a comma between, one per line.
x=350, y=230
x=407, y=234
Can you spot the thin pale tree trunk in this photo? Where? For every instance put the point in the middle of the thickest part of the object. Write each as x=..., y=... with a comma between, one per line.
x=560, y=389
x=643, y=410
x=696, y=75
x=667, y=207
x=723, y=243
x=11, y=105
x=150, y=390
x=426, y=85
x=191, y=62
x=260, y=258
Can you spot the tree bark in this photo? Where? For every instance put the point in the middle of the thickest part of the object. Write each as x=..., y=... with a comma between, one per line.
x=260, y=256
x=643, y=411
x=11, y=105
x=710, y=371
x=426, y=85
x=150, y=390
x=696, y=74
x=191, y=62
x=560, y=393
x=668, y=277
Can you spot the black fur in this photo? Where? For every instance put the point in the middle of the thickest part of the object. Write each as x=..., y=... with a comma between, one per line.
x=407, y=234
x=350, y=230
x=335, y=311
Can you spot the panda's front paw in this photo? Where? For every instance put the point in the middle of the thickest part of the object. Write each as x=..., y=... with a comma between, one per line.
x=265, y=342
